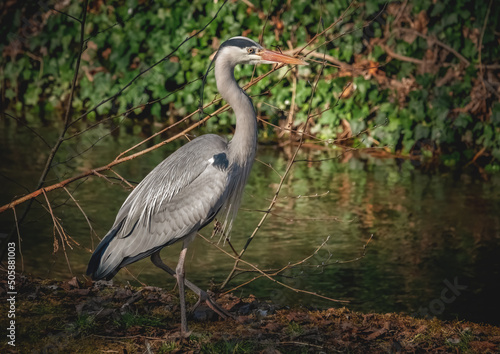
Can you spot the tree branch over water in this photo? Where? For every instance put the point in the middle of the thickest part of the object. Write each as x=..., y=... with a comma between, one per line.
x=61, y=238
x=67, y=122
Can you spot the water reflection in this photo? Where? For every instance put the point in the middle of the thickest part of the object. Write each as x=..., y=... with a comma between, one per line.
x=434, y=252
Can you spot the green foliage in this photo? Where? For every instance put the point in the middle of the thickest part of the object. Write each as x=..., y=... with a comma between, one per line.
x=83, y=324
x=224, y=346
x=168, y=347
x=294, y=329
x=461, y=341
x=124, y=38
x=128, y=320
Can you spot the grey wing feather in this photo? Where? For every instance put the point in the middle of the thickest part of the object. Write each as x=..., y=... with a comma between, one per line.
x=180, y=196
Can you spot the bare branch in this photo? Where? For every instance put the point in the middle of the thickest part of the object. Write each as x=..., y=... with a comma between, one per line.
x=19, y=239
x=481, y=44
x=29, y=128
x=401, y=57
x=67, y=15
x=168, y=56
x=60, y=231
x=237, y=259
x=437, y=41
x=92, y=231
x=270, y=166
x=280, y=185
x=122, y=179
x=60, y=140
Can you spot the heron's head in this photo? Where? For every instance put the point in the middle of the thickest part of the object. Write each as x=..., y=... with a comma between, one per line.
x=241, y=50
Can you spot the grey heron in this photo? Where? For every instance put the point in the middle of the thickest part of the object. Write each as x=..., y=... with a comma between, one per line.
x=185, y=192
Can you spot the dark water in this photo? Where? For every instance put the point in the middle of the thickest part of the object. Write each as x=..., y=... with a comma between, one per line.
x=435, y=247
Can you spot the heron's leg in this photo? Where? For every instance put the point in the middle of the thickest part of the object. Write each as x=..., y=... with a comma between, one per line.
x=202, y=295
x=157, y=261
x=179, y=271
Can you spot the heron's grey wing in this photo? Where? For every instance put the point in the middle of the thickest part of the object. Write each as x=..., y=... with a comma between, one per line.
x=180, y=196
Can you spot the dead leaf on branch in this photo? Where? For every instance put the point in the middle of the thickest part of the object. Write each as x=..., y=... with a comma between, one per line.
x=421, y=22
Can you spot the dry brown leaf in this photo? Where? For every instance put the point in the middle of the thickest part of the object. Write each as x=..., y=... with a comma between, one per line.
x=421, y=22
x=298, y=317
x=74, y=283
x=376, y=334
x=106, y=52
x=483, y=347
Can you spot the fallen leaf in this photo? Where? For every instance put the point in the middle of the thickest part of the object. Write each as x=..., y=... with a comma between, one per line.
x=244, y=319
x=421, y=329
x=121, y=293
x=376, y=334
x=73, y=283
x=298, y=317
x=483, y=347
x=273, y=327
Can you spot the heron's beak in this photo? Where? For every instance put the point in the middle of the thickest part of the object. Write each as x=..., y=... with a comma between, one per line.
x=275, y=57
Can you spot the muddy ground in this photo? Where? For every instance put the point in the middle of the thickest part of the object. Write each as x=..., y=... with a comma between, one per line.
x=75, y=317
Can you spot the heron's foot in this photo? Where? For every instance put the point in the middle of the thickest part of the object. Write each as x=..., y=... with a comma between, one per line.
x=182, y=334
x=204, y=297
x=185, y=333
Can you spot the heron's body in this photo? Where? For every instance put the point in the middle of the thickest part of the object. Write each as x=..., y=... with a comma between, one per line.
x=187, y=190
x=140, y=227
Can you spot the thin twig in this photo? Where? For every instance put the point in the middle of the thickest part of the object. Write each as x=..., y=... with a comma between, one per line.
x=261, y=35
x=29, y=128
x=60, y=231
x=286, y=129
x=333, y=218
x=97, y=171
x=60, y=140
x=401, y=57
x=213, y=102
x=267, y=275
x=167, y=128
x=120, y=160
x=168, y=56
x=19, y=240
x=339, y=20
x=437, y=41
x=278, y=190
x=84, y=215
x=301, y=263
x=291, y=113
x=481, y=44
x=129, y=110
x=122, y=179
x=269, y=165
x=100, y=175
x=67, y=15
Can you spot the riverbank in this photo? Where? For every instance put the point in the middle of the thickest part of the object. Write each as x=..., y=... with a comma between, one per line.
x=52, y=316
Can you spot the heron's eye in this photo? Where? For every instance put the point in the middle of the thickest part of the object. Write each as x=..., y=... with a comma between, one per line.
x=250, y=50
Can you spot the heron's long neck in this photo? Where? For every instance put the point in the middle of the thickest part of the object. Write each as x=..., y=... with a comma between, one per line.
x=244, y=143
